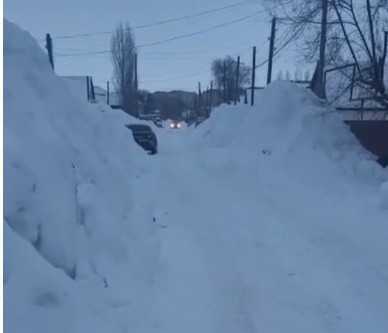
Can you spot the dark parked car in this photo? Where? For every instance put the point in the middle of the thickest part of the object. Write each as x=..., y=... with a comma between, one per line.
x=158, y=122
x=144, y=137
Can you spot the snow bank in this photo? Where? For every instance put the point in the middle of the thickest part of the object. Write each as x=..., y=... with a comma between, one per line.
x=79, y=249
x=77, y=86
x=289, y=129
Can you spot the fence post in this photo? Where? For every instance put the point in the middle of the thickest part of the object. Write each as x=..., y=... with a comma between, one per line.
x=362, y=109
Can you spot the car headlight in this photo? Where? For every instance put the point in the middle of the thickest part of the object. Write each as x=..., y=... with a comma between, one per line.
x=172, y=125
x=179, y=125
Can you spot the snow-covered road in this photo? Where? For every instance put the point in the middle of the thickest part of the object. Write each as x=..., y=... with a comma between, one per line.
x=263, y=219
x=239, y=255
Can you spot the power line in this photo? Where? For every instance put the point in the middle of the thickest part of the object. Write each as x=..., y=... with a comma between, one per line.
x=285, y=44
x=179, y=77
x=200, y=31
x=192, y=52
x=218, y=26
x=143, y=26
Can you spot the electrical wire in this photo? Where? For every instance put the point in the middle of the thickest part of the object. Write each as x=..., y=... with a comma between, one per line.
x=218, y=26
x=143, y=26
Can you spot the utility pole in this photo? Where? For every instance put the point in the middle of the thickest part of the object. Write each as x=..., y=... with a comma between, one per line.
x=224, y=82
x=92, y=89
x=207, y=101
x=253, y=76
x=49, y=47
x=107, y=92
x=271, y=48
x=210, y=98
x=319, y=88
x=199, y=99
x=87, y=88
x=136, y=89
x=237, y=93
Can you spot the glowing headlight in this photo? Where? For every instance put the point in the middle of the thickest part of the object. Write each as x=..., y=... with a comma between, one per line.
x=172, y=125
x=179, y=125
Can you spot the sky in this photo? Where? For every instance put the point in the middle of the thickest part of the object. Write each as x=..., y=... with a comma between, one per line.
x=178, y=64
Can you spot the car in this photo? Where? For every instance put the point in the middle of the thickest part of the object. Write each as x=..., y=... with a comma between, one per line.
x=175, y=125
x=144, y=137
x=158, y=122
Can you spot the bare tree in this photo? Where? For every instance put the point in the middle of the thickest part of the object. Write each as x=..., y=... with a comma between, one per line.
x=224, y=72
x=356, y=33
x=123, y=51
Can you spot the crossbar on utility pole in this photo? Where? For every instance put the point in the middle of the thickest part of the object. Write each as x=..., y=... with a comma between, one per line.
x=253, y=76
x=271, y=48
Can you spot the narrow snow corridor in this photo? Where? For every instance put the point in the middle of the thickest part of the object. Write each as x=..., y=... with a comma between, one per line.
x=239, y=255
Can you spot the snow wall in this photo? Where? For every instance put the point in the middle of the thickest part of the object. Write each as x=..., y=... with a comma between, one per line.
x=79, y=253
x=290, y=130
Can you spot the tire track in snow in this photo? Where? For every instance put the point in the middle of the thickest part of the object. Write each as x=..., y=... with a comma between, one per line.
x=201, y=288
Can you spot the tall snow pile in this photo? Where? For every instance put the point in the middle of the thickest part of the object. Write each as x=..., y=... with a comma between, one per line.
x=78, y=250
x=310, y=197
x=289, y=129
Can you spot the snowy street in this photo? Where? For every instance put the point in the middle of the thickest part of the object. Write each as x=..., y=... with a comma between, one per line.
x=236, y=257
x=269, y=218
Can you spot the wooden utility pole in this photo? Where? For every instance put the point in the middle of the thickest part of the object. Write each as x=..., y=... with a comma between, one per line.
x=253, y=76
x=107, y=92
x=224, y=82
x=93, y=96
x=271, y=48
x=237, y=93
x=136, y=89
x=199, y=99
x=49, y=47
x=319, y=88
x=210, y=98
x=87, y=88
x=207, y=101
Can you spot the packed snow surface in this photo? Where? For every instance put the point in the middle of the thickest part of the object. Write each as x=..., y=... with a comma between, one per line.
x=262, y=219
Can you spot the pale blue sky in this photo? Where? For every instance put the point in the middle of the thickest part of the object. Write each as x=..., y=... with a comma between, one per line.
x=178, y=64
